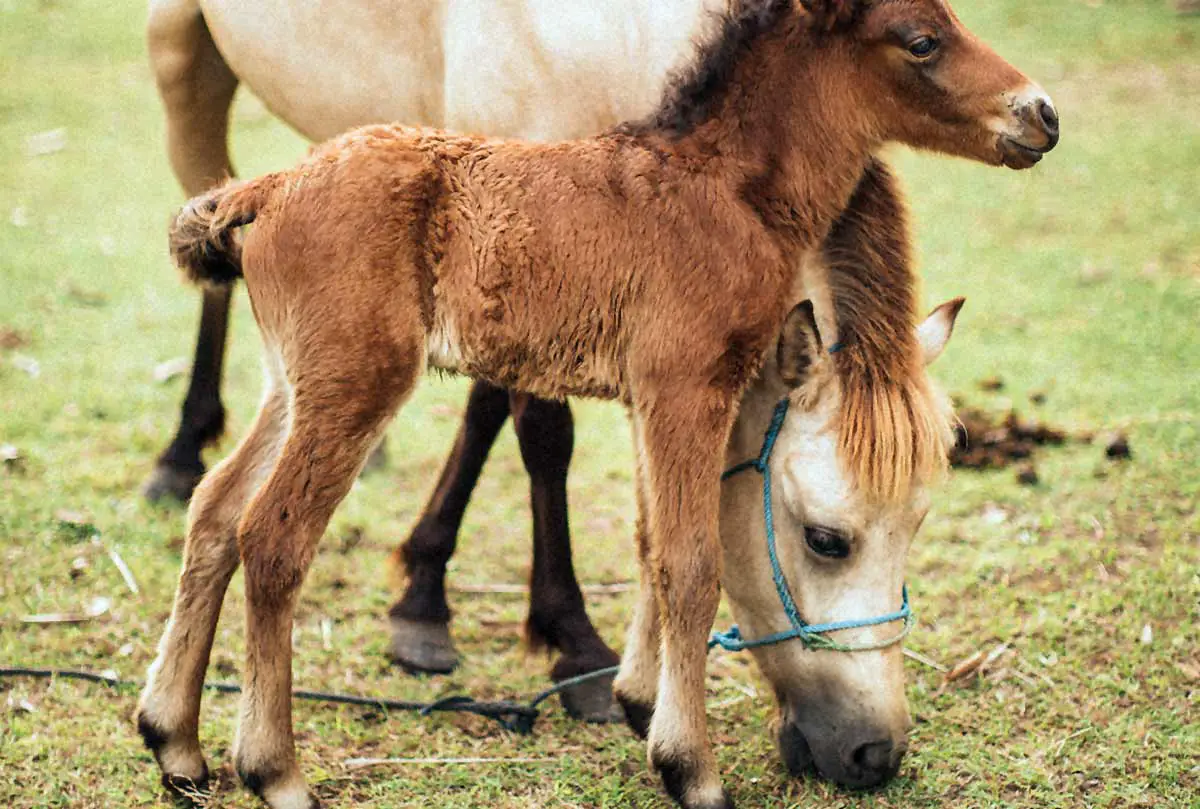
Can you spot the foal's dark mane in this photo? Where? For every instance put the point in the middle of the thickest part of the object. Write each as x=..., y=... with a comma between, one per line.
x=692, y=92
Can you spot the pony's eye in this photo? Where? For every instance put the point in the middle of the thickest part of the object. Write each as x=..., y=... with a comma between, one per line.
x=923, y=47
x=825, y=542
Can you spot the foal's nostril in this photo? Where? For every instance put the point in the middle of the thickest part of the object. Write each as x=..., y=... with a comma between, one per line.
x=875, y=762
x=1048, y=115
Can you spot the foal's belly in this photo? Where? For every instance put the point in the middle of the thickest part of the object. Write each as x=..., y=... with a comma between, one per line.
x=546, y=356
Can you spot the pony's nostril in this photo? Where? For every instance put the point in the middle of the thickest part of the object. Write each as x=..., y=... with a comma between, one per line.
x=876, y=762
x=1049, y=116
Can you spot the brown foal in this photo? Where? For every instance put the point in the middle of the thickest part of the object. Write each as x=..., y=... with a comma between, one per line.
x=654, y=264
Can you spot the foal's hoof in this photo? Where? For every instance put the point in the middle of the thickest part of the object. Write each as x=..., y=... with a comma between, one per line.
x=637, y=715
x=684, y=783
x=421, y=647
x=287, y=791
x=189, y=792
x=170, y=483
x=184, y=773
x=592, y=701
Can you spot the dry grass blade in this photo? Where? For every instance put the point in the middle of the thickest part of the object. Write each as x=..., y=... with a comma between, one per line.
x=927, y=661
x=96, y=607
x=965, y=667
x=1059, y=748
x=120, y=565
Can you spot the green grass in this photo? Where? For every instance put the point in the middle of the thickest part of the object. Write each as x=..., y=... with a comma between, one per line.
x=1082, y=279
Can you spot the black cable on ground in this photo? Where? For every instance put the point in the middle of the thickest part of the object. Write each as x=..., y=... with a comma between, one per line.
x=515, y=716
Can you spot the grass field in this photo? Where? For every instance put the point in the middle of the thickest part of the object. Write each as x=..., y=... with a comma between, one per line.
x=1083, y=282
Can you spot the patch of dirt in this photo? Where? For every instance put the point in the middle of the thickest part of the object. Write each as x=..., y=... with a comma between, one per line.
x=11, y=338
x=986, y=440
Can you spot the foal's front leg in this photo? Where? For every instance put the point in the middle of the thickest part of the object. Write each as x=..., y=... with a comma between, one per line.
x=682, y=437
x=636, y=684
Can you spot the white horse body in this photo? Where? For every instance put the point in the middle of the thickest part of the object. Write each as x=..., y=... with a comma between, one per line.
x=537, y=69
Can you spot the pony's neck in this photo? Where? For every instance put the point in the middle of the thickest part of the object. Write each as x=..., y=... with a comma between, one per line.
x=794, y=126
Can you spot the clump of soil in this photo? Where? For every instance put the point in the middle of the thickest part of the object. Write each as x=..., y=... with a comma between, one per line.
x=987, y=441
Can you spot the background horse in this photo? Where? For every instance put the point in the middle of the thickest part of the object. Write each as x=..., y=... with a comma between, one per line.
x=653, y=264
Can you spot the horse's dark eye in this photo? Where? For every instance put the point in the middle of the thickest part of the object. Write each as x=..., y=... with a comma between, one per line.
x=826, y=543
x=923, y=47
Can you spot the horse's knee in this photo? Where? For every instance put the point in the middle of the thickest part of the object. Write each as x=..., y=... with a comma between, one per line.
x=274, y=554
x=546, y=434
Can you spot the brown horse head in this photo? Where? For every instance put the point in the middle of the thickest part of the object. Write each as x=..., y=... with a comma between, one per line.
x=929, y=82
x=841, y=547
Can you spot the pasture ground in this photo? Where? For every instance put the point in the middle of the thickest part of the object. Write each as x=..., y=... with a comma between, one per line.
x=1083, y=282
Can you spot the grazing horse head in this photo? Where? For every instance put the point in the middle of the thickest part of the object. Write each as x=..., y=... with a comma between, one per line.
x=840, y=543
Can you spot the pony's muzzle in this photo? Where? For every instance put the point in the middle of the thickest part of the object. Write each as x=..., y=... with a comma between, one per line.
x=864, y=761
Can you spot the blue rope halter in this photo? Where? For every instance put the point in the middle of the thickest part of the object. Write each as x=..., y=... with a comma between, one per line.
x=813, y=636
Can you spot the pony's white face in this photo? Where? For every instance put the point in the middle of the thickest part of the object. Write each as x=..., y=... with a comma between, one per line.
x=843, y=554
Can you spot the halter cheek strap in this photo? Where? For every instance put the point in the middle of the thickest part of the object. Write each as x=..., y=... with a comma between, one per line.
x=813, y=636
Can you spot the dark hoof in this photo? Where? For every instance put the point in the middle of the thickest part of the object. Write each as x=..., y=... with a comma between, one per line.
x=191, y=791
x=195, y=791
x=423, y=648
x=377, y=460
x=637, y=715
x=270, y=787
x=679, y=776
x=167, y=482
x=592, y=701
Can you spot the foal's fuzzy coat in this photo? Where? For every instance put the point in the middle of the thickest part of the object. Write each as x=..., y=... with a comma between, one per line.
x=654, y=265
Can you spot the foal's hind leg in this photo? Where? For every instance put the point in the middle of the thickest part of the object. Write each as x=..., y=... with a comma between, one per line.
x=557, y=617
x=420, y=620
x=169, y=709
x=196, y=87
x=341, y=404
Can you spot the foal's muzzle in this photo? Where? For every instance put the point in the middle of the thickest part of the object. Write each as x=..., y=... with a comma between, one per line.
x=1038, y=122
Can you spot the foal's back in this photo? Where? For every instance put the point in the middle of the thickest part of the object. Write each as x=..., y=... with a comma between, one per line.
x=547, y=268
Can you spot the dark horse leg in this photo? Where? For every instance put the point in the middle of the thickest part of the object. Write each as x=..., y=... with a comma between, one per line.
x=557, y=619
x=420, y=619
x=196, y=88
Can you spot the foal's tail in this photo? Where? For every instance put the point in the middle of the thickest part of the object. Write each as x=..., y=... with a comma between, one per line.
x=202, y=241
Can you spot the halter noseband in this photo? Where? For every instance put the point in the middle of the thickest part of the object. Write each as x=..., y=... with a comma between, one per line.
x=813, y=636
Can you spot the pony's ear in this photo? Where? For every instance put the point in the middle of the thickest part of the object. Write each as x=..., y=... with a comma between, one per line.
x=799, y=346
x=935, y=331
x=828, y=14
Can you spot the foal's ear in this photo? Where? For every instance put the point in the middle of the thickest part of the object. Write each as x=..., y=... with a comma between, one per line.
x=828, y=14
x=799, y=346
x=935, y=331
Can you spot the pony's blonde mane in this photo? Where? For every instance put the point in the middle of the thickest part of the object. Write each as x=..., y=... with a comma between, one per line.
x=894, y=427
